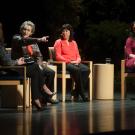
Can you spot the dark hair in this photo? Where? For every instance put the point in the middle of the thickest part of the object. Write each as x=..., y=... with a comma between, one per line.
x=68, y=27
x=131, y=32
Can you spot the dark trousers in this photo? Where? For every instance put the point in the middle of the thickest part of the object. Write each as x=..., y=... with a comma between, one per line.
x=49, y=75
x=37, y=80
x=80, y=75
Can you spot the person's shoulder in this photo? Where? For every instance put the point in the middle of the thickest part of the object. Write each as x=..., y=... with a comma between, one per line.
x=58, y=41
x=74, y=42
x=130, y=39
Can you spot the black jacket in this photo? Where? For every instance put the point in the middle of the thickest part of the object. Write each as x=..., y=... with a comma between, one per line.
x=18, y=42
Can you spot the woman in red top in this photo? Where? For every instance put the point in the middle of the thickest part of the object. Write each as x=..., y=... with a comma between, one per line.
x=130, y=50
x=66, y=50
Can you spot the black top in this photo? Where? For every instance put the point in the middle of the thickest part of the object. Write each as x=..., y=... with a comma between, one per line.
x=18, y=42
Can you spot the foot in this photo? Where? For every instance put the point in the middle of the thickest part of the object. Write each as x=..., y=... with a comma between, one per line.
x=47, y=99
x=75, y=98
x=47, y=90
x=84, y=98
x=52, y=101
x=75, y=95
x=38, y=105
x=51, y=95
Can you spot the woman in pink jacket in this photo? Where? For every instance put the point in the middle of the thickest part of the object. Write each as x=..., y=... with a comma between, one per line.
x=130, y=50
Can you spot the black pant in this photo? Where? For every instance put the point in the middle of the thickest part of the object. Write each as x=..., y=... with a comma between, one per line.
x=80, y=75
x=49, y=75
x=37, y=80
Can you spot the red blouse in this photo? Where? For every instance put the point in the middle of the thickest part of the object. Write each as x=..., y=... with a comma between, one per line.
x=66, y=51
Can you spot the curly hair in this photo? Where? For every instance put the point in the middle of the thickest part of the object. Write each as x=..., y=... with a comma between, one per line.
x=28, y=23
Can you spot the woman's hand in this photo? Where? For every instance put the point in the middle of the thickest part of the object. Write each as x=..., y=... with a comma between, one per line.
x=20, y=61
x=131, y=55
x=74, y=62
x=43, y=39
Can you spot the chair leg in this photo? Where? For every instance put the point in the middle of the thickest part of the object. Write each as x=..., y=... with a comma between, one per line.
x=90, y=88
x=63, y=89
x=29, y=85
x=55, y=88
x=24, y=97
x=24, y=90
x=90, y=81
x=55, y=83
x=122, y=79
x=122, y=88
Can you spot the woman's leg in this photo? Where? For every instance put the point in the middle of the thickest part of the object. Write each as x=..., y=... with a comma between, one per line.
x=76, y=73
x=85, y=71
x=49, y=75
x=37, y=82
x=34, y=73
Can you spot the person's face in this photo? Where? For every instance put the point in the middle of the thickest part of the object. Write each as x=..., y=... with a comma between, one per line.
x=66, y=34
x=26, y=31
x=133, y=27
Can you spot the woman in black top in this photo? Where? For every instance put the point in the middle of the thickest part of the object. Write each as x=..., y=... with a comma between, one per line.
x=20, y=48
x=33, y=71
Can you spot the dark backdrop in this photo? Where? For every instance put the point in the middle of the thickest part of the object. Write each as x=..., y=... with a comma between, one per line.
x=13, y=13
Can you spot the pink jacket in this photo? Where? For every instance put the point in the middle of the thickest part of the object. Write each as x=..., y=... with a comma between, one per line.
x=66, y=51
x=130, y=49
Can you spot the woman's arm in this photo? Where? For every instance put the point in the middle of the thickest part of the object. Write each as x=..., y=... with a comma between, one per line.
x=29, y=40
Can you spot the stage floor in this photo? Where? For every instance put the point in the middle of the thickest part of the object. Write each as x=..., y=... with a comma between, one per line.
x=72, y=118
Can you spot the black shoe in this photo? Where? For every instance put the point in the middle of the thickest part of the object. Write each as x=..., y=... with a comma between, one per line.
x=48, y=99
x=45, y=98
x=52, y=101
x=84, y=98
x=54, y=93
x=75, y=95
x=50, y=95
x=39, y=108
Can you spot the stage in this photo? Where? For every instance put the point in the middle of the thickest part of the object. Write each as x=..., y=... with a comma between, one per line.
x=72, y=118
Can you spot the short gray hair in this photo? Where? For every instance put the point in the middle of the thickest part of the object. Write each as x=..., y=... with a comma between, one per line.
x=28, y=23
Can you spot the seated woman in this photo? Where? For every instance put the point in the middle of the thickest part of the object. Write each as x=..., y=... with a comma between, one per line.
x=66, y=50
x=32, y=71
x=19, y=49
x=130, y=50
